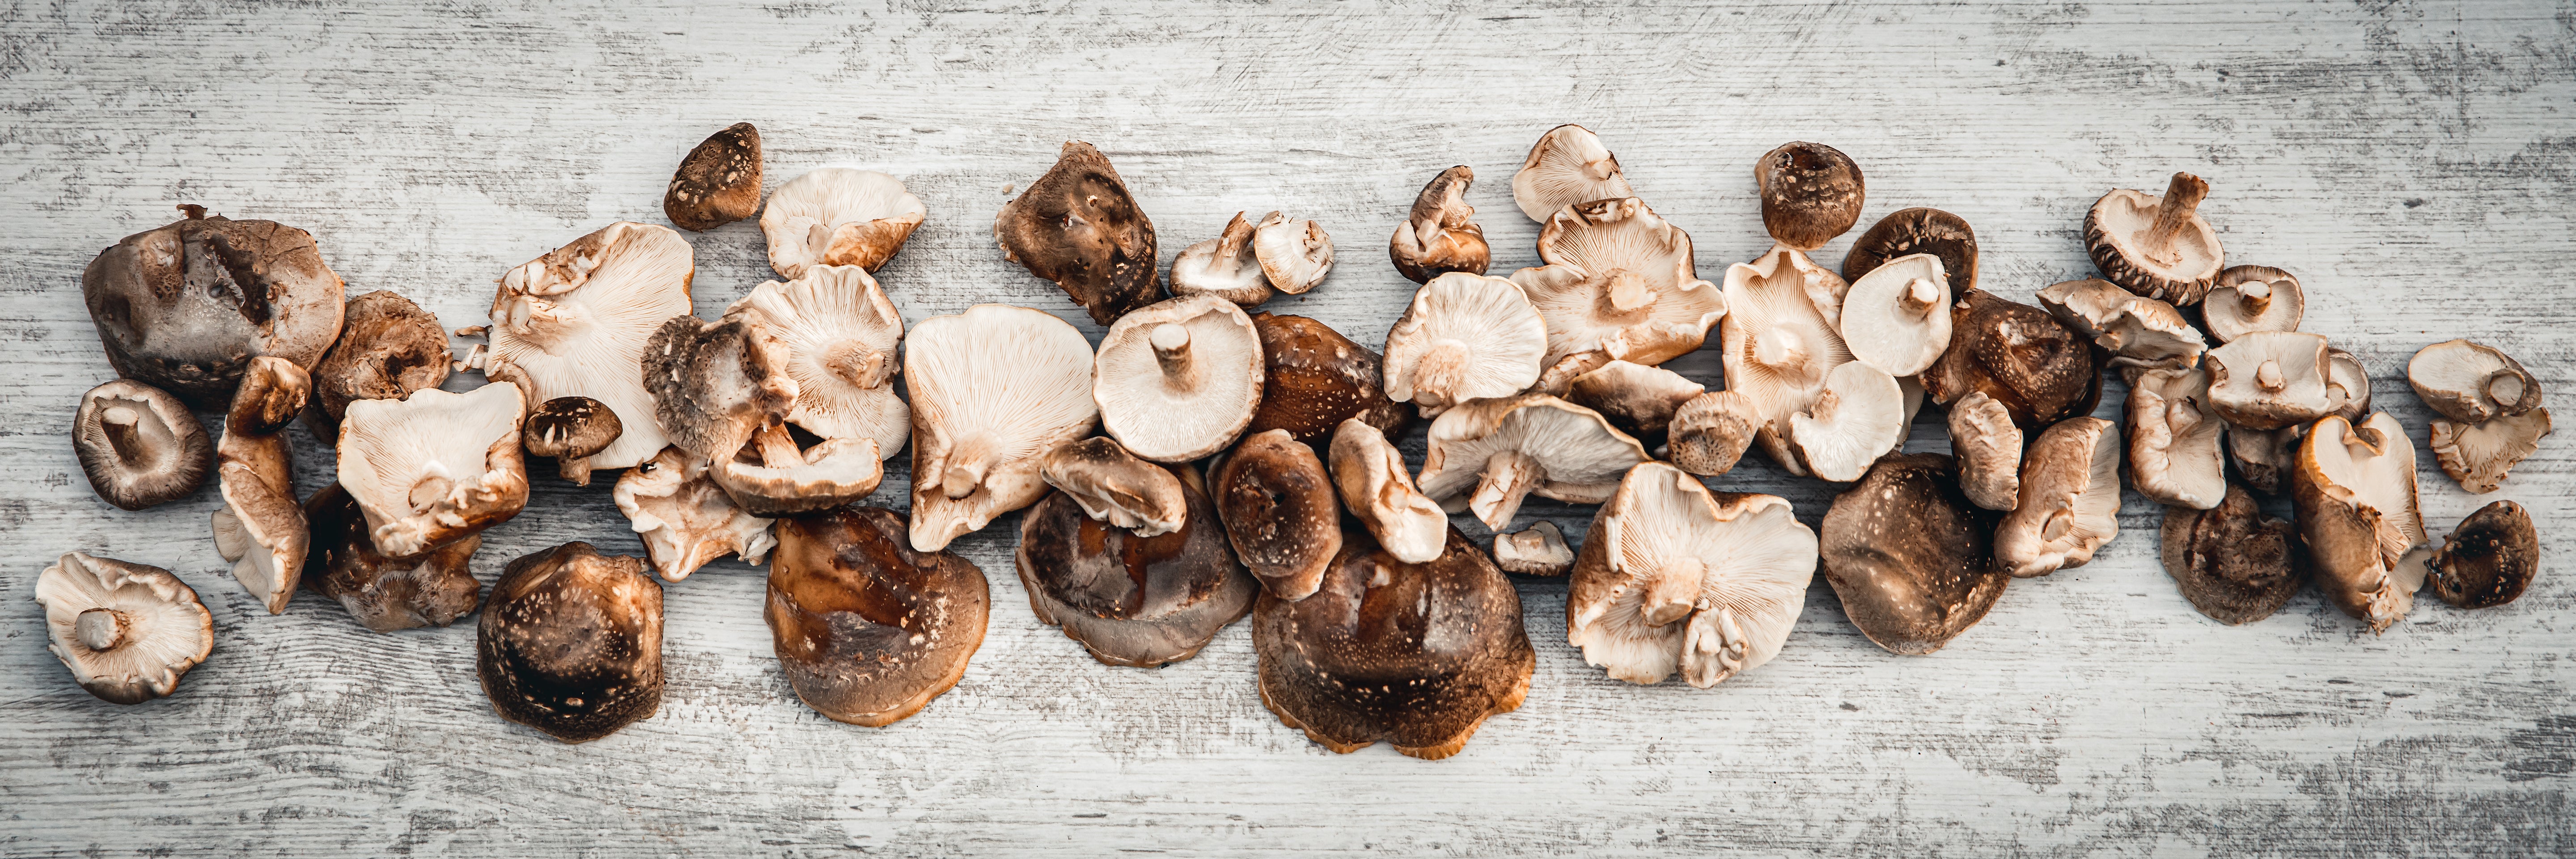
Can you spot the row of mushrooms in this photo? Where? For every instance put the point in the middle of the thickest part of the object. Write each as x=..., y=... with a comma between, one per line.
x=1209, y=462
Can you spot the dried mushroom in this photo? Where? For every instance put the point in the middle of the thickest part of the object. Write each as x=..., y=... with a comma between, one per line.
x=571, y=643
x=1567, y=165
x=1464, y=337
x=2270, y=379
x=435, y=468
x=1295, y=255
x=1539, y=550
x=1131, y=599
x=2471, y=382
x=1988, y=446
x=1113, y=486
x=1918, y=230
x=1857, y=417
x=1909, y=556
x=993, y=389
x=2174, y=456
x=1315, y=379
x=2138, y=332
x=388, y=348
x=2264, y=457
x=185, y=306
x=140, y=446
x=1710, y=433
x=1277, y=503
x=260, y=527
x=839, y=331
x=1487, y=455
x=1810, y=193
x=1619, y=281
x=128, y=632
x=2070, y=500
x=1897, y=317
x=1226, y=267
x=571, y=430
x=867, y=629
x=2158, y=247
x=2489, y=560
x=2355, y=491
x=1672, y=577
x=838, y=216
x=1640, y=400
x=2479, y=455
x=385, y=594
x=1779, y=347
x=2039, y=369
x=1440, y=236
x=1179, y=380
x=684, y=518
x=2233, y=563
x=723, y=391
x=1369, y=474
x=1077, y=226
x=2347, y=385
x=2251, y=298
x=718, y=183
x=574, y=323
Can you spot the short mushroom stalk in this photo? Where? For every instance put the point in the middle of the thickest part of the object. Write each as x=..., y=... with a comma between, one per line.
x=2269, y=378
x=1508, y=477
x=1674, y=591
x=1919, y=297
x=1441, y=372
x=2504, y=386
x=863, y=366
x=1626, y=292
x=2255, y=296
x=1779, y=347
x=968, y=460
x=102, y=629
x=2182, y=199
x=1171, y=343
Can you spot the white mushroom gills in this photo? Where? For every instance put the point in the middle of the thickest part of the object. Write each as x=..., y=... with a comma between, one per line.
x=1171, y=342
x=2182, y=199
x=102, y=628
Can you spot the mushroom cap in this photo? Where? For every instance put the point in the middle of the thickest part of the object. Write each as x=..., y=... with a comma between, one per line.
x=838, y=216
x=2489, y=559
x=435, y=468
x=2347, y=385
x=717, y=383
x=1078, y=227
x=388, y=348
x=1779, y=344
x=574, y=323
x=2355, y=491
x=1295, y=255
x=1226, y=267
x=2263, y=457
x=1132, y=600
x=2251, y=298
x=2479, y=455
x=1638, y=399
x=1567, y=165
x=840, y=332
x=163, y=629
x=1464, y=337
x=571, y=643
x=1369, y=474
x=993, y=389
x=570, y=428
x=2270, y=379
x=1857, y=418
x=1673, y=577
x=1578, y=456
x=1179, y=380
x=1440, y=236
x=1115, y=487
x=1909, y=556
x=1710, y=432
x=2070, y=499
x=384, y=594
x=867, y=628
x=2470, y=382
x=1414, y=654
x=1277, y=504
x=2156, y=246
x=684, y=518
x=1316, y=378
x=260, y=527
x=2039, y=369
x=1919, y=230
x=2235, y=564
x=1538, y=550
x=1620, y=282
x=1897, y=317
x=1988, y=446
x=2141, y=332
x=2174, y=456
x=184, y=306
x=719, y=183
x=139, y=445
x=1810, y=193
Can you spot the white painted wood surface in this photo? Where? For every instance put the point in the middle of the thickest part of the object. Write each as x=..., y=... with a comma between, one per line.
x=2413, y=162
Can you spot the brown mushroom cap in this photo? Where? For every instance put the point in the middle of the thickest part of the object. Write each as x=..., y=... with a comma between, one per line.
x=719, y=183
x=1440, y=235
x=184, y=307
x=1988, y=446
x=1810, y=193
x=1132, y=601
x=388, y=348
x=571, y=643
x=261, y=528
x=2156, y=246
x=139, y=445
x=128, y=632
x=2039, y=369
x=1414, y=654
x=571, y=429
x=384, y=594
x=2471, y=382
x=1710, y=432
x=1638, y=399
x=1538, y=550
x=1919, y=230
x=2489, y=560
x=1315, y=378
x=1078, y=226
x=1909, y=556
x=2235, y=564
x=867, y=629
x=1278, y=505
x=2355, y=491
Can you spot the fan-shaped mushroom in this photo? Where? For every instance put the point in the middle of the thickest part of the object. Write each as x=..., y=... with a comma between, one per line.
x=868, y=629
x=2235, y=564
x=1638, y=399
x=723, y=391
x=1567, y=165
x=1897, y=317
x=2039, y=369
x=140, y=446
x=2479, y=455
x=719, y=182
x=1988, y=446
x=2355, y=491
x=1440, y=236
x=1779, y=346
x=2270, y=379
x=2489, y=560
x=184, y=306
x=385, y=594
x=2173, y=439
x=1539, y=550
x=1856, y=418
x=2138, y=332
x=993, y=389
x=571, y=643
x=434, y=468
x=1295, y=255
x=128, y=632
x=2250, y=298
x=2471, y=382
x=2158, y=247
x=1810, y=193
x=1131, y=599
x=1226, y=267
x=1487, y=455
x=1277, y=504
x=1179, y=380
x=1369, y=474
x=684, y=518
x=1619, y=281
x=1077, y=226
x=2070, y=499
x=260, y=527
x=838, y=216
x=1315, y=379
x=1672, y=577
x=1464, y=337
x=1909, y=556
x=1918, y=230
x=1710, y=433
x=388, y=348
x=573, y=323
x=572, y=430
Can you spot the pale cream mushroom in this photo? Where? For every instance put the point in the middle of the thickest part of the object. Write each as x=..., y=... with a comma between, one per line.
x=839, y=331
x=1568, y=165
x=2354, y=487
x=2156, y=246
x=1112, y=486
x=993, y=389
x=1638, y=399
x=2270, y=379
x=2471, y=382
x=1778, y=346
x=2250, y=298
x=1671, y=577
x=2139, y=332
x=1438, y=236
x=2070, y=499
x=260, y=528
x=2479, y=455
x=1369, y=476
x=1619, y=281
x=1180, y=379
x=1897, y=317
x=128, y=632
x=1857, y=418
x=1988, y=446
x=1295, y=255
x=2174, y=457
x=684, y=518
x=1539, y=550
x=1464, y=337
x=1710, y=433
x=435, y=467
x=573, y=323
x=1487, y=455
x=838, y=216
x=1226, y=267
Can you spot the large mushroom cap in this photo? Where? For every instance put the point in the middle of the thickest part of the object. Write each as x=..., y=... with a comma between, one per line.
x=2355, y=491
x=1897, y=317
x=139, y=445
x=1909, y=556
x=838, y=216
x=128, y=632
x=2235, y=564
x=1179, y=380
x=1620, y=281
x=1988, y=446
x=1640, y=400
x=435, y=468
x=1227, y=267
x=2471, y=382
x=1918, y=230
x=1132, y=600
x=2270, y=379
x=1416, y=655
x=684, y=518
x=1810, y=193
x=571, y=429
x=1115, y=487
x=1567, y=165
x=2039, y=369
x=1077, y=226
x=724, y=391
x=2489, y=560
x=1779, y=344
x=2479, y=455
x=184, y=307
x=2174, y=455
x=1278, y=505
x=1711, y=431
x=1439, y=235
x=2250, y=298
x=575, y=323
x=1369, y=474
x=1295, y=254
x=2070, y=499
x=1672, y=577
x=2138, y=331
x=1489, y=454
x=993, y=389
x=571, y=643
x=1857, y=418
x=1464, y=337
x=867, y=628
x=1315, y=379
x=385, y=594
x=2158, y=247
x=718, y=183
x=260, y=527
x=388, y=348
x=839, y=331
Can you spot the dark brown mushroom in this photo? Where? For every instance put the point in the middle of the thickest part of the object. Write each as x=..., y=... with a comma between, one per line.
x=1277, y=503
x=1439, y=236
x=385, y=594
x=260, y=527
x=1132, y=601
x=2234, y=563
x=2039, y=369
x=571, y=643
x=1316, y=378
x=571, y=429
x=388, y=348
x=719, y=183
x=1919, y=230
x=185, y=306
x=868, y=629
x=2489, y=560
x=140, y=446
x=1810, y=193
x=1078, y=226
x=1909, y=556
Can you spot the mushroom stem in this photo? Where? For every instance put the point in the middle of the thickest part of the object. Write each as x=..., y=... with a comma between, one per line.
x=2182, y=415
x=968, y=460
x=1230, y=244
x=1918, y=297
x=1673, y=590
x=101, y=628
x=574, y=468
x=1171, y=342
x=777, y=448
x=2181, y=199
x=859, y=363
x=1440, y=372
x=1626, y=291
x=430, y=489
x=2269, y=378
x=2505, y=387
x=2255, y=296
x=120, y=423
x=1508, y=477
x=1779, y=347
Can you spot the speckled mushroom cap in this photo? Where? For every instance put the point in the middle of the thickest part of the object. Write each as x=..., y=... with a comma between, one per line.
x=1277, y=502
x=868, y=629
x=140, y=446
x=435, y=468
x=2070, y=499
x=1489, y=454
x=1417, y=655
x=1369, y=475
x=2489, y=560
x=1779, y=346
x=1919, y=230
x=993, y=389
x=1440, y=236
x=2039, y=369
x=1131, y=600
x=1672, y=578
x=1620, y=281
x=1711, y=431
x=1179, y=380
x=571, y=643
x=1810, y=193
x=2251, y=298
x=127, y=631
x=1078, y=227
x=574, y=323
x=2138, y=331
x=2174, y=455
x=2354, y=487
x=1464, y=337
x=260, y=527
x=839, y=331
x=385, y=594
x=2233, y=563
x=1315, y=378
x=684, y=518
x=718, y=183
x=1567, y=165
x=388, y=348
x=2270, y=379
x=2471, y=382
x=184, y=306
x=2156, y=246
x=1909, y=557
x=571, y=430
x=838, y=216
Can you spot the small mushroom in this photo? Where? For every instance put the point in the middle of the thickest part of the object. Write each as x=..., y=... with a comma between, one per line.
x=184, y=306
x=1226, y=267
x=1315, y=379
x=1539, y=550
x=139, y=445
x=2479, y=455
x=1638, y=399
x=2355, y=491
x=571, y=643
x=993, y=389
x=2347, y=385
x=1277, y=504
x=385, y=594
x=2235, y=564
x=1417, y=655
x=867, y=628
x=719, y=183
x=2158, y=247
x=1858, y=417
x=1440, y=235
x=2070, y=500
x=571, y=429
x=1489, y=454
x=1464, y=337
x=1988, y=446
x=1113, y=486
x=1179, y=380
x=723, y=391
x=1078, y=227
x=839, y=331
x=2250, y=298
x=574, y=323
x=1909, y=556
x=2270, y=379
x=2489, y=560
x=1810, y=193
x=1558, y=378
x=2039, y=369
x=2264, y=457
x=1672, y=577
x=2174, y=457
x=684, y=518
x=1918, y=230
x=2138, y=332
x=1369, y=474
x=838, y=216
x=1295, y=255
x=1779, y=345
x=2470, y=382
x=1130, y=599
x=128, y=632
x=388, y=348
x=1710, y=433
x=1620, y=281
x=1897, y=317
x=435, y=468
x=260, y=527
x=1567, y=165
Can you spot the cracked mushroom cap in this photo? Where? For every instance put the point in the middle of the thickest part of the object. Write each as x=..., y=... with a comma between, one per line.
x=1619, y=281
x=2070, y=500
x=1226, y=267
x=1909, y=556
x=2250, y=298
x=381, y=593
x=1638, y=399
x=388, y=348
x=2235, y=564
x=2471, y=382
x=1464, y=337
x=1440, y=235
x=1277, y=503
x=571, y=643
x=128, y=632
x=1417, y=655
x=139, y=445
x=1129, y=599
x=2270, y=379
x=571, y=430
x=184, y=306
x=684, y=518
x=575, y=322
x=2174, y=455
x=2479, y=455
x=1487, y=455
x=260, y=527
x=838, y=216
x=2158, y=247
x=1857, y=418
x=1710, y=433
x=2489, y=560
x=1369, y=474
x=1779, y=346
x=1538, y=550
x=2355, y=491
x=1295, y=254
x=2039, y=369
x=1179, y=380
x=1897, y=317
x=723, y=390
x=1078, y=227
x=2264, y=457
x=1988, y=446
x=1673, y=577
x=993, y=389
x=718, y=183
x=2139, y=332
x=1810, y=193
x=1567, y=165
x=435, y=468
x=1315, y=379
x=840, y=332
x=1919, y=230
x=868, y=629
x=1113, y=486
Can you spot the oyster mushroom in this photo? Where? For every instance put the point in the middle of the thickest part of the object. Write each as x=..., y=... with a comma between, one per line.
x=1295, y=255
x=435, y=468
x=1078, y=227
x=1710, y=433
x=1619, y=281
x=139, y=445
x=1858, y=417
x=1672, y=577
x=1277, y=504
x=571, y=643
x=388, y=348
x=2270, y=379
x=2039, y=369
x=1909, y=556
x=1369, y=474
x=1315, y=379
x=2138, y=332
x=868, y=629
x=1464, y=337
x=718, y=183
x=2250, y=298
x=2479, y=455
x=1779, y=346
x=260, y=527
x=723, y=391
x=1440, y=235
x=1810, y=193
x=2263, y=457
x=993, y=389
x=128, y=632
x=1567, y=165
x=2489, y=560
x=2174, y=457
x=2355, y=491
x=385, y=594
x=2235, y=564
x=2471, y=382
x=1487, y=455
x=1130, y=599
x=838, y=216
x=1918, y=230
x=572, y=430
x=1179, y=380
x=2158, y=247
x=1638, y=399
x=1226, y=267
x=1988, y=446
x=684, y=518
x=1897, y=317
x=1539, y=550
x=574, y=323
x=2070, y=500
x=184, y=306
